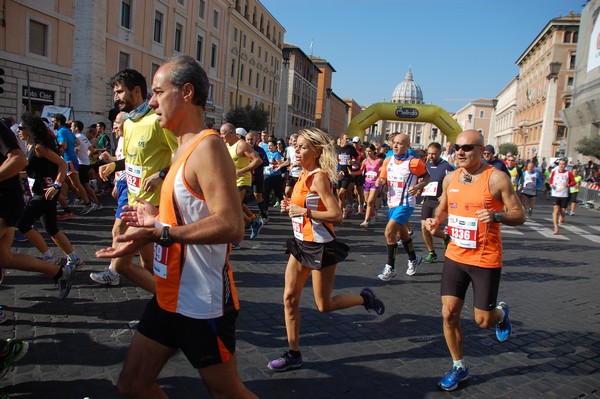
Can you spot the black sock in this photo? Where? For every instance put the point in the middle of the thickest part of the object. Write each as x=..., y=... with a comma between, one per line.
x=262, y=206
x=409, y=248
x=58, y=275
x=294, y=354
x=392, y=250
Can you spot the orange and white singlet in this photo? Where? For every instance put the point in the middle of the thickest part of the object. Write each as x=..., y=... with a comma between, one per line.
x=400, y=176
x=306, y=229
x=194, y=280
x=473, y=242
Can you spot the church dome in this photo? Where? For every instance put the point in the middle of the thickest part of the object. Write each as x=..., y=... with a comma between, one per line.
x=408, y=91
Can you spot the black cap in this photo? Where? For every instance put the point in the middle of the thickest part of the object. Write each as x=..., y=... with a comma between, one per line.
x=490, y=148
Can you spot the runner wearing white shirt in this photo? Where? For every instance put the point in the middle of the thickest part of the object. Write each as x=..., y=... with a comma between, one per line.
x=82, y=152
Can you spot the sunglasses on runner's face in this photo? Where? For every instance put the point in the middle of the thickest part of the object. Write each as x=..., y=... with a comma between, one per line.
x=465, y=147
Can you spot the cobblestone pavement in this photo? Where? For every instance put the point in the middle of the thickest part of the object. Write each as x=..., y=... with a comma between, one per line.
x=551, y=283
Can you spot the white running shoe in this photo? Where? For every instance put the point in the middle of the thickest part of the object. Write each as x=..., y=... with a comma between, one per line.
x=85, y=209
x=106, y=277
x=364, y=225
x=388, y=273
x=412, y=265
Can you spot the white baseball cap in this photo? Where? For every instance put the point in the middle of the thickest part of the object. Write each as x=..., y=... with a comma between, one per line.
x=356, y=139
x=240, y=131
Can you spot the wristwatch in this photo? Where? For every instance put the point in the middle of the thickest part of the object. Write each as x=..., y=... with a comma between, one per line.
x=163, y=173
x=57, y=186
x=497, y=217
x=165, y=239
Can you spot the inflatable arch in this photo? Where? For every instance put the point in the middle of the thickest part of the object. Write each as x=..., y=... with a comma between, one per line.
x=404, y=112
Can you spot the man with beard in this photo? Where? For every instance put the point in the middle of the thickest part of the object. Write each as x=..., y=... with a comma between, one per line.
x=148, y=149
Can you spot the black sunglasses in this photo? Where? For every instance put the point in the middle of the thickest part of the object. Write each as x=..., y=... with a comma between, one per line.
x=465, y=147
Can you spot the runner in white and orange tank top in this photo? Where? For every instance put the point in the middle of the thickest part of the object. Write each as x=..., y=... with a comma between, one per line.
x=195, y=306
x=314, y=250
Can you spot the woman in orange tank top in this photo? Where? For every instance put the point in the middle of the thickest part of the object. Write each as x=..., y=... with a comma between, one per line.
x=314, y=250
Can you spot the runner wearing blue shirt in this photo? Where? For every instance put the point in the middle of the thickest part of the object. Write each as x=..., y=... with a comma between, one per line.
x=273, y=176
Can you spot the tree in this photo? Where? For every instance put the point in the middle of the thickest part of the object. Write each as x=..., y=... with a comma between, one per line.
x=248, y=117
x=238, y=117
x=505, y=148
x=589, y=145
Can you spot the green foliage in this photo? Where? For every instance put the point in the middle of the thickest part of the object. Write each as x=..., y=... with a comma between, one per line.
x=505, y=148
x=589, y=145
x=248, y=117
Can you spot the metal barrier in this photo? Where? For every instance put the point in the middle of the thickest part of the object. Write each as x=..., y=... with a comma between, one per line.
x=589, y=195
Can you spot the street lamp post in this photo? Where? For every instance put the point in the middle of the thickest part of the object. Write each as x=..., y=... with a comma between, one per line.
x=547, y=134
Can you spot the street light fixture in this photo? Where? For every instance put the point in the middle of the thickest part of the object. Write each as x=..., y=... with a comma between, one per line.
x=554, y=70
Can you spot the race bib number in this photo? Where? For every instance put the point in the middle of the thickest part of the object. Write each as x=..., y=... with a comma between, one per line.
x=371, y=175
x=161, y=255
x=134, y=178
x=31, y=182
x=430, y=190
x=396, y=181
x=298, y=225
x=463, y=231
x=344, y=159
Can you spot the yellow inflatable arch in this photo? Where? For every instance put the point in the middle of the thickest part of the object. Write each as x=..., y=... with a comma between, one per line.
x=404, y=112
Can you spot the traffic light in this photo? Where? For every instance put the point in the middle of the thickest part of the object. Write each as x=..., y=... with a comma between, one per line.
x=1, y=80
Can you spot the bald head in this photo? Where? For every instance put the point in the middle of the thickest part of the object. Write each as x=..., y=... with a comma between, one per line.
x=470, y=137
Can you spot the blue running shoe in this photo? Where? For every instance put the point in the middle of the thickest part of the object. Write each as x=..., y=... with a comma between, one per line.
x=285, y=362
x=255, y=227
x=503, y=329
x=450, y=380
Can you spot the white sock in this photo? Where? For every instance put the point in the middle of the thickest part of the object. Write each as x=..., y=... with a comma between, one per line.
x=73, y=257
x=48, y=253
x=459, y=364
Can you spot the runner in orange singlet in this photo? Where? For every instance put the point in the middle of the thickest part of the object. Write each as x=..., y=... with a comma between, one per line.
x=472, y=202
x=196, y=304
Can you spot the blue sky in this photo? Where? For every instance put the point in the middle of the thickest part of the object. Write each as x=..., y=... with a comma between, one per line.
x=458, y=50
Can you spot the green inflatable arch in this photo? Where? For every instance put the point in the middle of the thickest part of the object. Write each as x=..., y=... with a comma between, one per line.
x=404, y=112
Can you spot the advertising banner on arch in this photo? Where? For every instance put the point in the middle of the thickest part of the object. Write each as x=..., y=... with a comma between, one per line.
x=594, y=54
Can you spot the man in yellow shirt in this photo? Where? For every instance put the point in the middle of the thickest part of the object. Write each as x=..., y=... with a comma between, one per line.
x=148, y=149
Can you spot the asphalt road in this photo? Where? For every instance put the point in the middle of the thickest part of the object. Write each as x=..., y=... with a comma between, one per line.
x=551, y=283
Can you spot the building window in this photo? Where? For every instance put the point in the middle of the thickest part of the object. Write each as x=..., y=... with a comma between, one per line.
x=202, y=10
x=153, y=68
x=177, y=43
x=38, y=38
x=199, y=47
x=244, y=40
x=250, y=77
x=209, y=97
x=572, y=61
x=481, y=114
x=126, y=14
x=257, y=79
x=232, y=74
x=251, y=46
x=241, y=73
x=570, y=82
x=235, y=34
x=158, y=22
x=259, y=52
x=181, y=2
x=123, y=60
x=216, y=19
x=213, y=56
